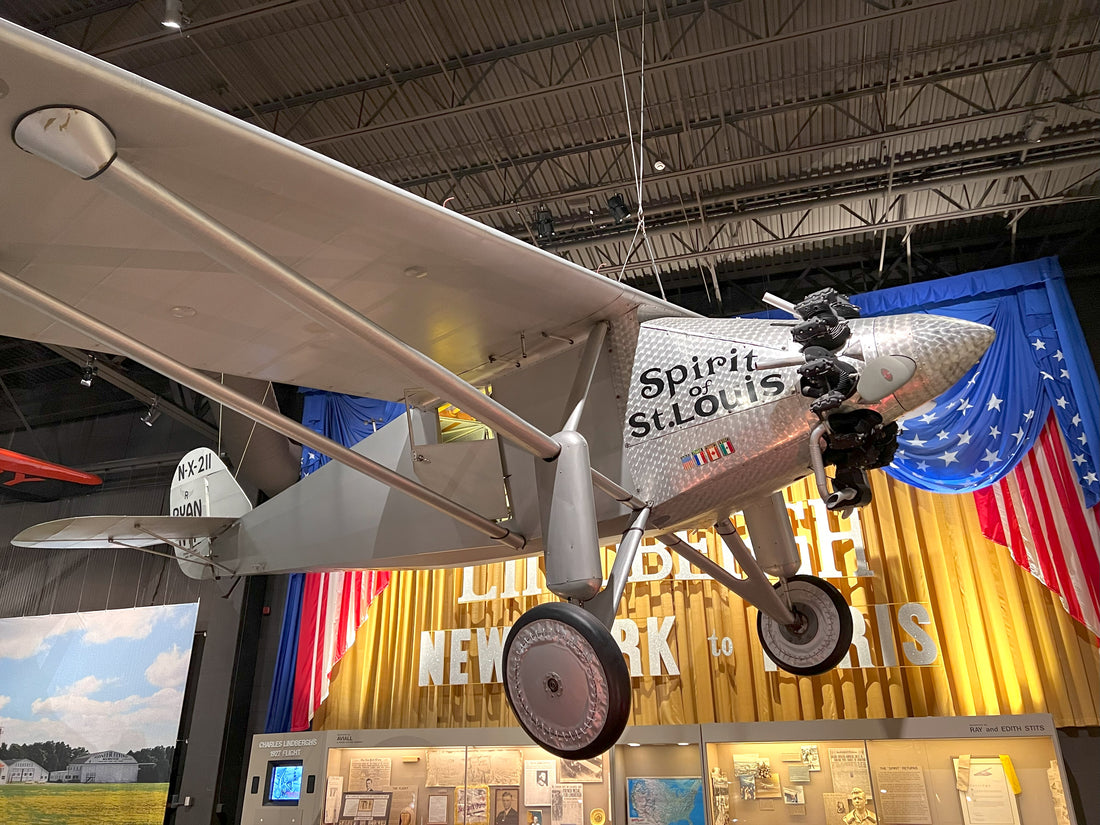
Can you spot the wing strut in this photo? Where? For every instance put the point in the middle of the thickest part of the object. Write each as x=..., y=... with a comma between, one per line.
x=578, y=394
x=186, y=554
x=77, y=140
x=160, y=362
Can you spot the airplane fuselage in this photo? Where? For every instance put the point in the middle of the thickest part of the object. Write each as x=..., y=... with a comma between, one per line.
x=715, y=415
x=705, y=424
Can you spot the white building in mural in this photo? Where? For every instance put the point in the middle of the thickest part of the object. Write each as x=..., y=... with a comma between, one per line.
x=103, y=766
x=3, y=772
x=24, y=770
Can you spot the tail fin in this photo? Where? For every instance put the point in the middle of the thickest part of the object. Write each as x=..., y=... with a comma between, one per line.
x=203, y=486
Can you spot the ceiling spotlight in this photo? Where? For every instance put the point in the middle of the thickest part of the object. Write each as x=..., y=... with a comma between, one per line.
x=544, y=223
x=89, y=373
x=617, y=206
x=173, y=14
x=659, y=165
x=1033, y=132
x=150, y=416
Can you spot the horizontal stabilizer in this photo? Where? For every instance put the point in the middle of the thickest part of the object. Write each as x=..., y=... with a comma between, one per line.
x=97, y=532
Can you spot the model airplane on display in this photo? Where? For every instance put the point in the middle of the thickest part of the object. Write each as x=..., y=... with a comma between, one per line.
x=138, y=222
x=34, y=479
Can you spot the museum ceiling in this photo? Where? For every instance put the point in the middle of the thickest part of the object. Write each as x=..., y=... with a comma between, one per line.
x=783, y=145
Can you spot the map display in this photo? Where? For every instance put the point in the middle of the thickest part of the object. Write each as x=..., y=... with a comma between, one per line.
x=665, y=801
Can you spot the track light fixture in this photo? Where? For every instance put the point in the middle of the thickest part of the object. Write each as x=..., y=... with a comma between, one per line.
x=150, y=416
x=1033, y=131
x=173, y=14
x=544, y=223
x=89, y=373
x=617, y=206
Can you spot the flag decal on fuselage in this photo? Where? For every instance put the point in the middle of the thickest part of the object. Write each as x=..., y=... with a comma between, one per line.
x=707, y=454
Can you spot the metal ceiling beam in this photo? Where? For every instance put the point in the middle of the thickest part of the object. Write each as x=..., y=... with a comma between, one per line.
x=840, y=96
x=712, y=123
x=210, y=24
x=615, y=79
x=848, y=261
x=851, y=269
x=467, y=61
x=809, y=192
x=740, y=163
x=141, y=393
x=829, y=234
x=31, y=366
x=59, y=20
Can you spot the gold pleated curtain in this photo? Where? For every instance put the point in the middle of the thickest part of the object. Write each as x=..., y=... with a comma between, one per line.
x=1000, y=642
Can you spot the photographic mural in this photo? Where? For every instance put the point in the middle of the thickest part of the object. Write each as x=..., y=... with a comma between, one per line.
x=89, y=711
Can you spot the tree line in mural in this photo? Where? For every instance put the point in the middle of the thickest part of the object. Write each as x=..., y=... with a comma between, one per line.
x=156, y=763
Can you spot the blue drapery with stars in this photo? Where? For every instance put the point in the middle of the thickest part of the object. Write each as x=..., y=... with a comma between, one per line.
x=981, y=428
x=346, y=419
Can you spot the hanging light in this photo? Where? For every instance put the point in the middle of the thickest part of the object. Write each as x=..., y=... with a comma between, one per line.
x=1033, y=131
x=173, y=14
x=544, y=223
x=616, y=204
x=89, y=372
x=659, y=164
x=150, y=416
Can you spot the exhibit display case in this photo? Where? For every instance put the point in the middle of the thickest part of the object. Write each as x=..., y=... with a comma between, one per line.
x=991, y=770
x=941, y=771
x=421, y=778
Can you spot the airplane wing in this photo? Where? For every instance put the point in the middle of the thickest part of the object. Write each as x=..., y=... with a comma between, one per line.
x=34, y=479
x=95, y=532
x=455, y=289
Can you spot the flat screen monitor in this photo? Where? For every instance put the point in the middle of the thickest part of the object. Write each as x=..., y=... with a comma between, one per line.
x=284, y=782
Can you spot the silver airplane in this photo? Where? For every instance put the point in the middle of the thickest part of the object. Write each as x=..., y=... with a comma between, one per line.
x=138, y=222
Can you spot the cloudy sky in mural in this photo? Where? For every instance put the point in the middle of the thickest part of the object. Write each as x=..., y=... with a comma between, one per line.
x=107, y=680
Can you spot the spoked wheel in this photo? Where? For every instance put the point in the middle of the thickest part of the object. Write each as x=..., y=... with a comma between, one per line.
x=820, y=638
x=566, y=680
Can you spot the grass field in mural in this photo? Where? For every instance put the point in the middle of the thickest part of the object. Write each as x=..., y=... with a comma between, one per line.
x=124, y=804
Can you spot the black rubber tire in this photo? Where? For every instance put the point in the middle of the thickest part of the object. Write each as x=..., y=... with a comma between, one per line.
x=566, y=680
x=826, y=636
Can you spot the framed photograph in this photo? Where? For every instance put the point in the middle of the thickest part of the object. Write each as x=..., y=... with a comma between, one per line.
x=366, y=807
x=506, y=805
x=534, y=817
x=810, y=757
x=581, y=770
